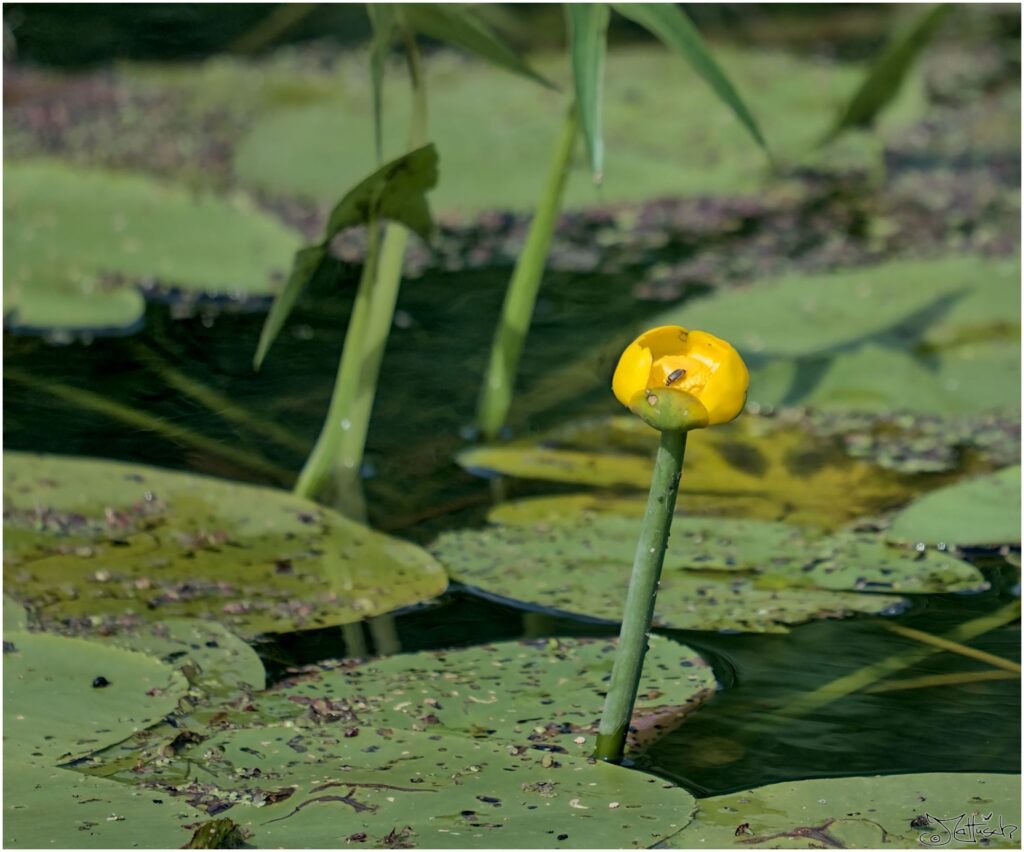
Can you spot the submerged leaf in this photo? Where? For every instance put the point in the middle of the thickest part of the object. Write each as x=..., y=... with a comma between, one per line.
x=749, y=468
x=92, y=542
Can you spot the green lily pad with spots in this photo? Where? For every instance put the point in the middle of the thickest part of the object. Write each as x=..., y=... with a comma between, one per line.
x=903, y=811
x=543, y=695
x=210, y=656
x=66, y=697
x=752, y=467
x=983, y=511
x=93, y=544
x=718, y=574
x=391, y=788
x=79, y=242
x=53, y=808
x=15, y=615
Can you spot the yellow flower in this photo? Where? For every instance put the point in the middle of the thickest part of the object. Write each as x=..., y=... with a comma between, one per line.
x=678, y=380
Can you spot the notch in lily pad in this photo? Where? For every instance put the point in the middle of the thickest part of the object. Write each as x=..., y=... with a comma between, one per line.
x=396, y=191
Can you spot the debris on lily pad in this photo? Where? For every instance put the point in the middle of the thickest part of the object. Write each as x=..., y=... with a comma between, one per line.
x=983, y=511
x=80, y=242
x=394, y=788
x=938, y=810
x=92, y=544
x=719, y=574
x=54, y=808
x=544, y=696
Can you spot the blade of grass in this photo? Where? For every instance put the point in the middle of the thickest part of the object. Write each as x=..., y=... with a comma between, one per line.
x=955, y=647
x=382, y=20
x=217, y=402
x=930, y=681
x=670, y=23
x=463, y=27
x=282, y=18
x=871, y=674
x=150, y=423
x=886, y=75
x=588, y=36
x=521, y=296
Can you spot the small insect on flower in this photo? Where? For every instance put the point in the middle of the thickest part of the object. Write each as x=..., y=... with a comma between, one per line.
x=674, y=377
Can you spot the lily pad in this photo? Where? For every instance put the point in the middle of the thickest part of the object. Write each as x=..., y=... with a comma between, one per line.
x=692, y=143
x=543, y=695
x=718, y=574
x=543, y=692
x=64, y=697
x=91, y=543
x=749, y=468
x=980, y=511
x=52, y=808
x=15, y=615
x=78, y=242
x=389, y=788
x=209, y=655
x=802, y=315
x=940, y=810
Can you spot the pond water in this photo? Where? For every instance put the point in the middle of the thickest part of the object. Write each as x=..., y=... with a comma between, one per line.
x=743, y=737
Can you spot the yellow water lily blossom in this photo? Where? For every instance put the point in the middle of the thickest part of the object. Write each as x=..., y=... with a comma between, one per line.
x=675, y=379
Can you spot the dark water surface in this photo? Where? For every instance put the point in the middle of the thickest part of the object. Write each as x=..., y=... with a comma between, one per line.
x=431, y=376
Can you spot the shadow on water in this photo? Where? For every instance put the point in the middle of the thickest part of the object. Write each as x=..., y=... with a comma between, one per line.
x=431, y=375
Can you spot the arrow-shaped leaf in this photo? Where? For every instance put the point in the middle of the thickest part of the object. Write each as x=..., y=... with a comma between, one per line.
x=588, y=31
x=669, y=23
x=396, y=191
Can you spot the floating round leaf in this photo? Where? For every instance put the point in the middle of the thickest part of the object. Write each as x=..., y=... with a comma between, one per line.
x=66, y=697
x=94, y=542
x=719, y=573
x=903, y=811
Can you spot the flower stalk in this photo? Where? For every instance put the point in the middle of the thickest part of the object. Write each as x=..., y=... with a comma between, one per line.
x=643, y=589
x=675, y=380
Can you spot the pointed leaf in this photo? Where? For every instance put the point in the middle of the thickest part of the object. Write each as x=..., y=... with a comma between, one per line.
x=304, y=267
x=397, y=190
x=886, y=75
x=669, y=23
x=588, y=35
x=463, y=27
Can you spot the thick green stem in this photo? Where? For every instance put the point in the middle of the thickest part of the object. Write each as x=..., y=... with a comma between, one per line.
x=331, y=473
x=643, y=588
x=322, y=472
x=521, y=296
x=380, y=318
